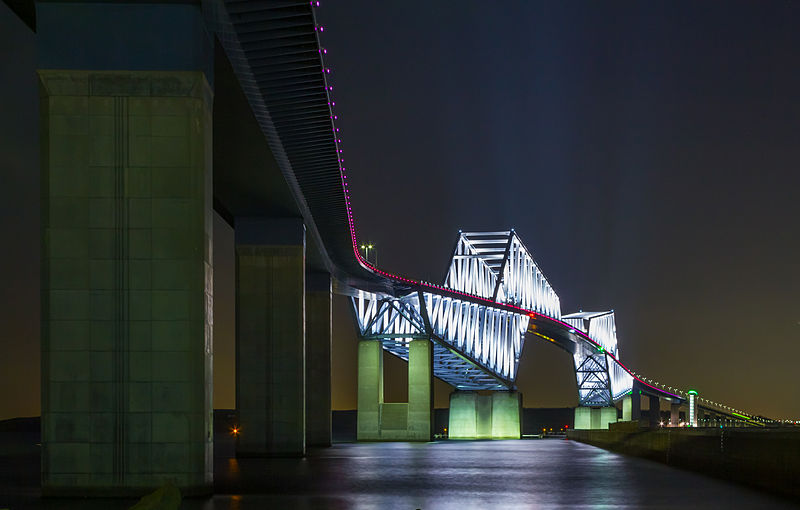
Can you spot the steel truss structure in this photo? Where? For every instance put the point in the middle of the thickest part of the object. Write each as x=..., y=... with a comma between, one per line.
x=478, y=338
x=475, y=346
x=601, y=380
x=497, y=266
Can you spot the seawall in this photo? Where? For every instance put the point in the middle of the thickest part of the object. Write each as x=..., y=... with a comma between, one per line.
x=765, y=458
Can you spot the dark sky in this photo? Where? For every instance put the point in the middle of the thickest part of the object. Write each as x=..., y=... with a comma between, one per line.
x=648, y=154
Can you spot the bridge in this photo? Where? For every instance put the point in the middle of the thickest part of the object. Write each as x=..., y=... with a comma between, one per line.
x=231, y=111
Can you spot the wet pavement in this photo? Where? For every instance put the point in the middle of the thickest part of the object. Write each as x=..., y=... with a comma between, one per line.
x=458, y=475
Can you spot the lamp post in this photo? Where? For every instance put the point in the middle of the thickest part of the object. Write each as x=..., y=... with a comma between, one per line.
x=367, y=248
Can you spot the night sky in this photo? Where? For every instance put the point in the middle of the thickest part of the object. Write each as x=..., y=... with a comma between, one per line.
x=647, y=153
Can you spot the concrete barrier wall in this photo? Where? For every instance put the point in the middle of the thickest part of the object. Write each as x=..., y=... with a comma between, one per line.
x=764, y=458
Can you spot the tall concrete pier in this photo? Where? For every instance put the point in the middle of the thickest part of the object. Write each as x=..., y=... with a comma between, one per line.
x=126, y=249
x=318, y=359
x=270, y=336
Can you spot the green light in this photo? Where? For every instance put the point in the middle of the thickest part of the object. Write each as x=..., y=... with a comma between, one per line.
x=692, y=392
x=741, y=416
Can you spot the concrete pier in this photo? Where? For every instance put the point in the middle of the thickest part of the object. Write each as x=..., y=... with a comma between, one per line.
x=420, y=391
x=318, y=359
x=594, y=418
x=379, y=421
x=632, y=406
x=654, y=413
x=493, y=416
x=370, y=390
x=270, y=337
x=674, y=414
x=126, y=280
x=583, y=418
x=126, y=248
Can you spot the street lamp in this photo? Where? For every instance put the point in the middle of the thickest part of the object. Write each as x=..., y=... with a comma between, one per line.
x=367, y=248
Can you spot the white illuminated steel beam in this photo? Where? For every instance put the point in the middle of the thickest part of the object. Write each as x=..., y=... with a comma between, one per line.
x=478, y=347
x=601, y=380
x=497, y=266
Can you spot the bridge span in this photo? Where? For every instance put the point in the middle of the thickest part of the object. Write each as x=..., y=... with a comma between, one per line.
x=226, y=106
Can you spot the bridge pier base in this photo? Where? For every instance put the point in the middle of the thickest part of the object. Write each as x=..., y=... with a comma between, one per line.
x=476, y=416
x=604, y=417
x=598, y=418
x=583, y=418
x=379, y=421
x=270, y=337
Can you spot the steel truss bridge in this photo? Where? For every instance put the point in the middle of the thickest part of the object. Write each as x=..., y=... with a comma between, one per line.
x=494, y=295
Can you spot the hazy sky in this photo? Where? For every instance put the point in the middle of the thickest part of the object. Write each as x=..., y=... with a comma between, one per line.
x=647, y=153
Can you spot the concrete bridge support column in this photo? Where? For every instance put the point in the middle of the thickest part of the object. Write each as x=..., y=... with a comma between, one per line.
x=126, y=280
x=632, y=407
x=270, y=337
x=598, y=418
x=420, y=391
x=655, y=412
x=126, y=247
x=379, y=421
x=604, y=417
x=466, y=419
x=506, y=415
x=583, y=418
x=674, y=414
x=370, y=390
x=318, y=359
x=494, y=416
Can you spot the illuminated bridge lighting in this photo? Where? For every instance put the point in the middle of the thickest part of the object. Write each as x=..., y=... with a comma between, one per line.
x=494, y=293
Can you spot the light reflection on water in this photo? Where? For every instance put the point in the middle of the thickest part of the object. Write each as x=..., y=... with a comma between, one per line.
x=451, y=475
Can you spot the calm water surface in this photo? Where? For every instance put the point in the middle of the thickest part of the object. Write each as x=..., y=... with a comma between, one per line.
x=451, y=475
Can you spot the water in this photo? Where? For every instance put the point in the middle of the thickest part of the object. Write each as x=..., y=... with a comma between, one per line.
x=447, y=475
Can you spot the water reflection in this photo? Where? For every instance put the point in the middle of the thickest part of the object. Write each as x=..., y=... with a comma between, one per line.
x=450, y=475
x=475, y=474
